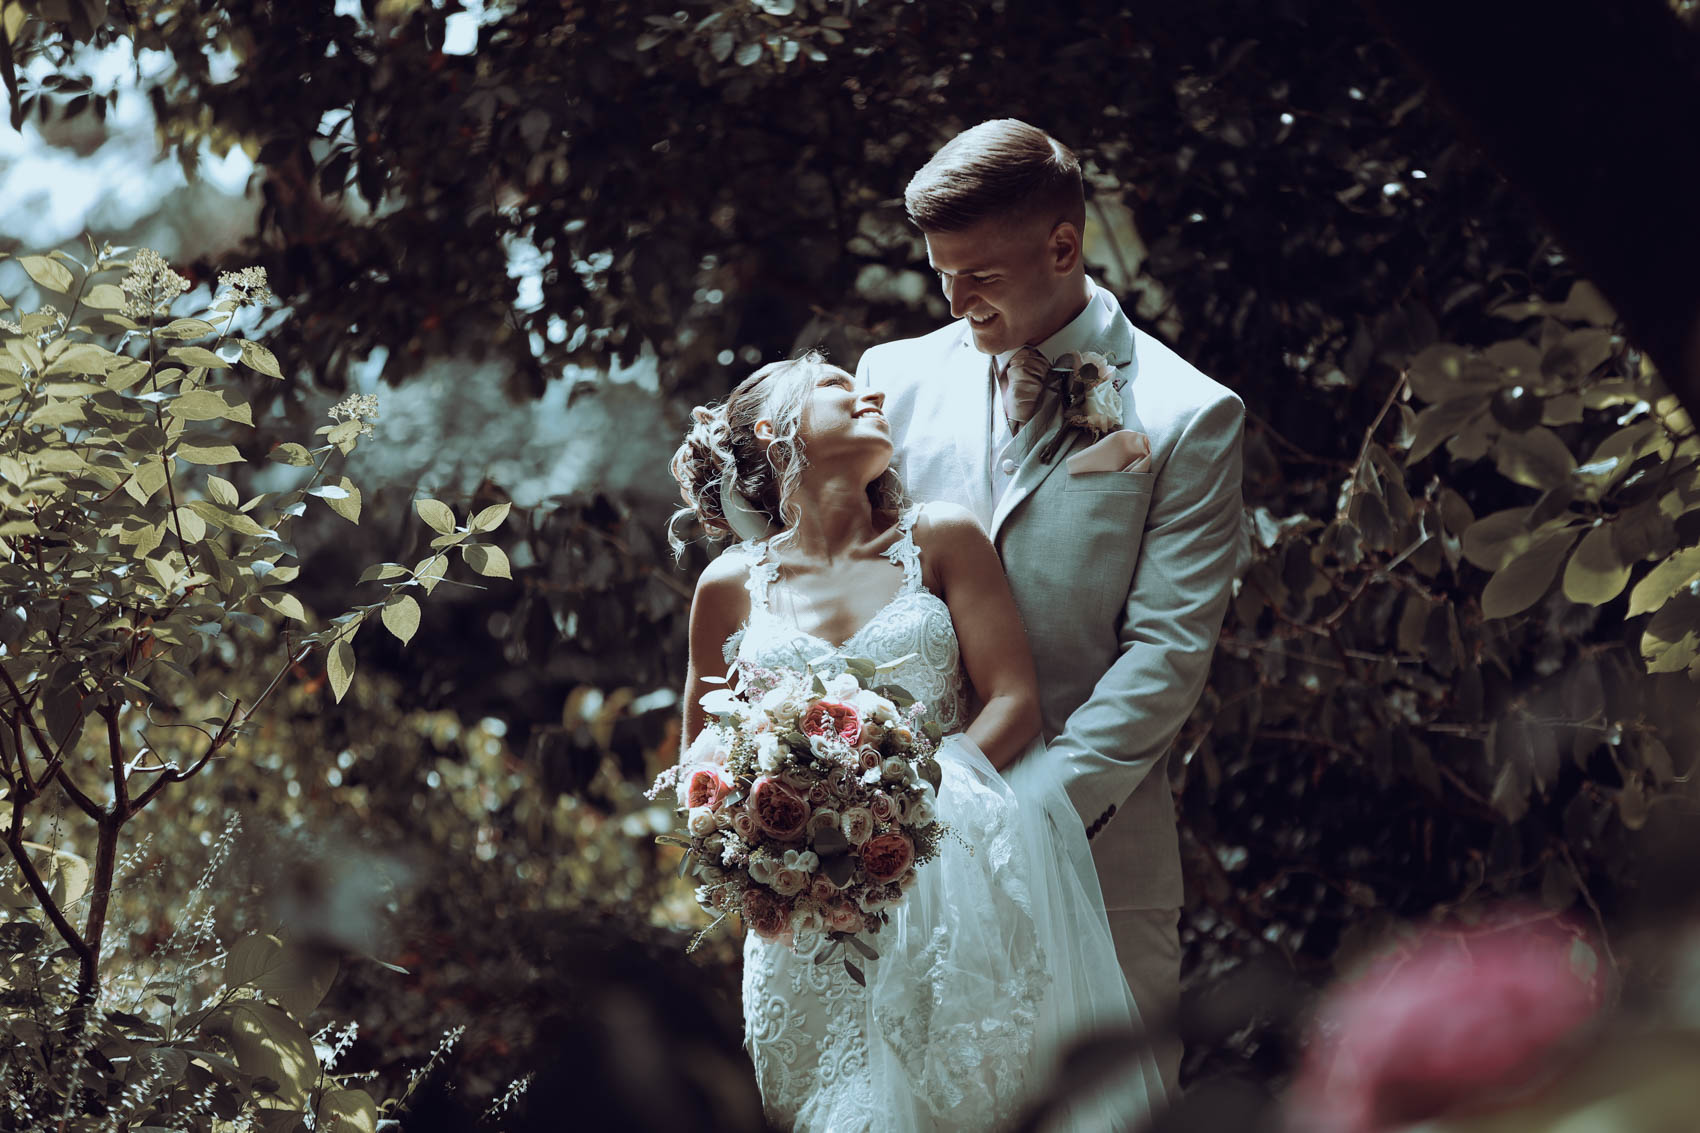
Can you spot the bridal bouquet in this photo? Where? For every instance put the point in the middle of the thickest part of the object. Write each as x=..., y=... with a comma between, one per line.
x=808, y=805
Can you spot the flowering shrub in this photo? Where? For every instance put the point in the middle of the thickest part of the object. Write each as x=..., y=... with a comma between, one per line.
x=132, y=577
x=1453, y=1021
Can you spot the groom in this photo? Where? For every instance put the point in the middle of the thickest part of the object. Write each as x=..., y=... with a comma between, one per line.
x=1121, y=548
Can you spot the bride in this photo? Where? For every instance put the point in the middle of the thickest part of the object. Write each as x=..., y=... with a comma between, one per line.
x=1001, y=953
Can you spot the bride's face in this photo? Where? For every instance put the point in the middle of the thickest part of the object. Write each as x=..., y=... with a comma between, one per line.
x=843, y=423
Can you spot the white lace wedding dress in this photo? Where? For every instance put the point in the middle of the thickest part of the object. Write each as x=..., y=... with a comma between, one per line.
x=997, y=957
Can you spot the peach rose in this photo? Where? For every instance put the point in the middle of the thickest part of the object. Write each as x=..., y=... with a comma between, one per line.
x=842, y=916
x=868, y=758
x=884, y=808
x=832, y=718
x=777, y=809
x=744, y=825
x=823, y=819
x=822, y=890
x=887, y=856
x=703, y=786
x=857, y=825
x=790, y=882
x=819, y=792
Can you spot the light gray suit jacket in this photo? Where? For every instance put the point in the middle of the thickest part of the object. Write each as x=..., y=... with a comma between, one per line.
x=1121, y=578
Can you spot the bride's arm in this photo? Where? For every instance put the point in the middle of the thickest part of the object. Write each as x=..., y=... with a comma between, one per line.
x=988, y=628
x=719, y=607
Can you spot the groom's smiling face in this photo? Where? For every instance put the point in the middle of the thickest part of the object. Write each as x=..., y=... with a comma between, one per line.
x=1010, y=278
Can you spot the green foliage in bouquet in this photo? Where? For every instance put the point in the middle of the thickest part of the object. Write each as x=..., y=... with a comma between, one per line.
x=136, y=583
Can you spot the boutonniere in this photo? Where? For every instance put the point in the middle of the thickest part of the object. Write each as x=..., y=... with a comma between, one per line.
x=1091, y=396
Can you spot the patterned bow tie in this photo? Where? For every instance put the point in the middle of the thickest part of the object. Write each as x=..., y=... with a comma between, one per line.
x=1024, y=385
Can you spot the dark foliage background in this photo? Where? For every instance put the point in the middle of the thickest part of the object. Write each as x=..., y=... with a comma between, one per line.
x=1441, y=682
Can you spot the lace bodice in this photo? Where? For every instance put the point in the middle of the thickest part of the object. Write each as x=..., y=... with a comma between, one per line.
x=915, y=622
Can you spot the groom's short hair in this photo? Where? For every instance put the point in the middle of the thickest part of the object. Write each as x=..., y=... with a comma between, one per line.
x=1001, y=168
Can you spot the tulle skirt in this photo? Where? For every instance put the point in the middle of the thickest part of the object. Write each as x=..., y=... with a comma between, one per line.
x=998, y=957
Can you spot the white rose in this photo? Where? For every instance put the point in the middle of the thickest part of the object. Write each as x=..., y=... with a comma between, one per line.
x=1104, y=407
x=762, y=870
x=872, y=706
x=790, y=882
x=701, y=822
x=805, y=860
x=712, y=744
x=842, y=687
x=769, y=753
x=895, y=769
x=923, y=810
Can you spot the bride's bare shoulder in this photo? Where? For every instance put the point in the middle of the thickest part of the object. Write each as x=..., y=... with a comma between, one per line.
x=945, y=525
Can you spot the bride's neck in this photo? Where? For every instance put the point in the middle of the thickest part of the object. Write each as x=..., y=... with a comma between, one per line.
x=834, y=517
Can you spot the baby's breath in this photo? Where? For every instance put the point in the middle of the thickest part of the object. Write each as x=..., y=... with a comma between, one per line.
x=249, y=285
x=151, y=285
x=362, y=407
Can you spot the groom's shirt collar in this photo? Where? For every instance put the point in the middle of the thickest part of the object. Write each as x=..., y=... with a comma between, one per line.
x=1086, y=330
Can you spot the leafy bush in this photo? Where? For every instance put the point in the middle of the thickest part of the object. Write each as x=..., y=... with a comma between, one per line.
x=137, y=584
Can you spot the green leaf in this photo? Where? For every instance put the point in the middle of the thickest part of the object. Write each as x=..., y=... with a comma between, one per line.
x=1664, y=581
x=291, y=453
x=198, y=356
x=436, y=514
x=48, y=273
x=347, y=1111
x=296, y=979
x=487, y=560
x=1521, y=582
x=202, y=405
x=348, y=504
x=1535, y=458
x=1672, y=639
x=1595, y=574
x=382, y=571
x=106, y=297
x=181, y=329
x=339, y=667
x=83, y=358
x=209, y=454
x=288, y=605
x=270, y=1044
x=223, y=492
x=260, y=360
x=489, y=518
x=1438, y=423
x=401, y=617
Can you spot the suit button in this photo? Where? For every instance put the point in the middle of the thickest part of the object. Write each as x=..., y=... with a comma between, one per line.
x=1007, y=467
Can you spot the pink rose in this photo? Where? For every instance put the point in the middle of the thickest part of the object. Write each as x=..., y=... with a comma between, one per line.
x=887, y=856
x=822, y=890
x=832, y=718
x=744, y=825
x=884, y=808
x=821, y=820
x=766, y=914
x=790, y=882
x=819, y=792
x=857, y=825
x=778, y=810
x=703, y=786
x=1441, y=1025
x=868, y=757
x=842, y=916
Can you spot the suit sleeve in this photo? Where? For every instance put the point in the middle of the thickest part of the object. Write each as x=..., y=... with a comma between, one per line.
x=1193, y=547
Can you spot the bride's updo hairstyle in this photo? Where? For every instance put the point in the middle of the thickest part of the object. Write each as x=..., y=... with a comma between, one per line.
x=721, y=453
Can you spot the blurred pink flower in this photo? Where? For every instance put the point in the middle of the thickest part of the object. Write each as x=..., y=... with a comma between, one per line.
x=1448, y=1023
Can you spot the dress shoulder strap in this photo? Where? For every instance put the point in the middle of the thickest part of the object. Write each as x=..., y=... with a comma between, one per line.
x=904, y=552
x=763, y=572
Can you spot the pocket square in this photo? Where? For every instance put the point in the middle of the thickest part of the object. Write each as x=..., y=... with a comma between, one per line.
x=1121, y=451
